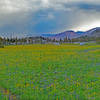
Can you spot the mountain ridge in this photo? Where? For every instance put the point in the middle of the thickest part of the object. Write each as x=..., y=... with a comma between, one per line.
x=70, y=34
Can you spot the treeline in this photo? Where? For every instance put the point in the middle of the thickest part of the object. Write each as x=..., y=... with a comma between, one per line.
x=86, y=39
x=79, y=39
x=42, y=40
x=21, y=41
x=1, y=43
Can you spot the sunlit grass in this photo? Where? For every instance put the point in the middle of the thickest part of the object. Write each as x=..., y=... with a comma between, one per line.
x=50, y=72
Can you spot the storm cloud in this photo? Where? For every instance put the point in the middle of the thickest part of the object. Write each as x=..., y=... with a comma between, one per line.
x=44, y=16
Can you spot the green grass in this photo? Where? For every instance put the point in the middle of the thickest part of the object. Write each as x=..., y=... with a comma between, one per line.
x=50, y=72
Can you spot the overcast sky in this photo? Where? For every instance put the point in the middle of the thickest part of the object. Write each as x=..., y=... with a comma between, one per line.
x=45, y=16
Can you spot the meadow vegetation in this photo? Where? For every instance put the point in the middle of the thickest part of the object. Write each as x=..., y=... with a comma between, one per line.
x=50, y=72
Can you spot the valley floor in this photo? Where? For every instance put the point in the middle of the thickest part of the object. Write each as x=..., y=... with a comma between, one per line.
x=50, y=72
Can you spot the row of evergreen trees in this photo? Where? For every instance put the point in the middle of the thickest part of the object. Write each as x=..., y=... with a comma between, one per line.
x=1, y=43
x=79, y=39
x=34, y=40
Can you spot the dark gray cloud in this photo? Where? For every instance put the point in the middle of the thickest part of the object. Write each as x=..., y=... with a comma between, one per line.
x=37, y=16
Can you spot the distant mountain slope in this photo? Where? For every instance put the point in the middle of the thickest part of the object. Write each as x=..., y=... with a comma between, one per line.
x=48, y=35
x=80, y=32
x=95, y=32
x=66, y=34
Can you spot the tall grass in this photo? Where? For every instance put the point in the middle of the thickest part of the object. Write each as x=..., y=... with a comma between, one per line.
x=50, y=72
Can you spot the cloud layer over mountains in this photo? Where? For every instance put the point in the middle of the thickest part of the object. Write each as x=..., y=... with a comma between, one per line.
x=38, y=16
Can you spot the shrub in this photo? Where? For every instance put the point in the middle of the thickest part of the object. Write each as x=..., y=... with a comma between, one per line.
x=1, y=46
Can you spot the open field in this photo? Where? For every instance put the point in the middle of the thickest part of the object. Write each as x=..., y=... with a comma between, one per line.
x=50, y=72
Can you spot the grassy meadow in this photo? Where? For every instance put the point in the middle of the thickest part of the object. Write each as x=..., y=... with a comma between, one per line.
x=50, y=72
